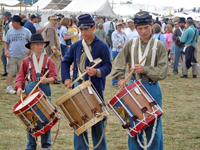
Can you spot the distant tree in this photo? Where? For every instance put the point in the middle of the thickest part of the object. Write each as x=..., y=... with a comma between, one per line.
x=127, y=2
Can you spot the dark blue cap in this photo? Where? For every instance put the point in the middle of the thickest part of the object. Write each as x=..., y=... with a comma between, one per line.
x=142, y=17
x=182, y=20
x=85, y=21
x=189, y=18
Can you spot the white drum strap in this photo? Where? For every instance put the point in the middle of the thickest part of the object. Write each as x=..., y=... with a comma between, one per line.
x=88, y=54
x=132, y=52
x=38, y=67
x=29, y=72
x=154, y=49
x=141, y=56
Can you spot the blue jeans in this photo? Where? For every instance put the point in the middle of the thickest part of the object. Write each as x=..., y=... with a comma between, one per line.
x=157, y=143
x=96, y=131
x=114, y=55
x=177, y=55
x=64, y=49
x=45, y=138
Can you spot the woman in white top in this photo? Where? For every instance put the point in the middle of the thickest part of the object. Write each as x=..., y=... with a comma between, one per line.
x=119, y=39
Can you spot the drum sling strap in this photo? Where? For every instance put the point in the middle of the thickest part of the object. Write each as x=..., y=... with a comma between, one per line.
x=153, y=56
x=38, y=67
x=89, y=56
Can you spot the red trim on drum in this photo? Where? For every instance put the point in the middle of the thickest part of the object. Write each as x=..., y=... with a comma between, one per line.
x=141, y=126
x=47, y=127
x=31, y=103
x=123, y=92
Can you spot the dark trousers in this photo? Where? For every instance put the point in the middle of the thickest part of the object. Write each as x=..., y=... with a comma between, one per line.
x=3, y=58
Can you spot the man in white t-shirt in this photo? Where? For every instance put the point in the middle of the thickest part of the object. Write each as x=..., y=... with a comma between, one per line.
x=131, y=32
x=37, y=25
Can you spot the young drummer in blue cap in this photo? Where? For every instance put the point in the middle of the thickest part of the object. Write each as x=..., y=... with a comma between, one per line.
x=150, y=72
x=82, y=62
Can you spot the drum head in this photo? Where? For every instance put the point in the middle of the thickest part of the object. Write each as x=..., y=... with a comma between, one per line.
x=27, y=101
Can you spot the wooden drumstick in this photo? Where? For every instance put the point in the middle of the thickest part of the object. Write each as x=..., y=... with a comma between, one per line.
x=121, y=86
x=37, y=84
x=84, y=73
x=22, y=100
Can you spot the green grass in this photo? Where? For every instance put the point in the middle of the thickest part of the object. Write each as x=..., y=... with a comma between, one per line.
x=181, y=123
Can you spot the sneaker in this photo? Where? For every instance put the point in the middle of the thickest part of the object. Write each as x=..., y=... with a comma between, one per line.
x=179, y=64
x=198, y=65
x=184, y=76
x=23, y=91
x=10, y=90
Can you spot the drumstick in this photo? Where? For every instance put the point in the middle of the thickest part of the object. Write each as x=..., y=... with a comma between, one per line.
x=37, y=84
x=84, y=73
x=121, y=86
x=22, y=99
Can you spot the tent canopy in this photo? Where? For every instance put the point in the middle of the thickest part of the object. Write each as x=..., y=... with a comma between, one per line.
x=94, y=7
x=52, y=4
x=12, y=3
x=124, y=10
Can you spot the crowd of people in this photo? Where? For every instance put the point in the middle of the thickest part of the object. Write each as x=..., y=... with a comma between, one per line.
x=67, y=47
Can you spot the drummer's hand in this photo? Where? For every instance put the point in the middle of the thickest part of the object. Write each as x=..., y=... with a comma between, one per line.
x=19, y=92
x=91, y=72
x=68, y=83
x=138, y=68
x=120, y=82
x=43, y=80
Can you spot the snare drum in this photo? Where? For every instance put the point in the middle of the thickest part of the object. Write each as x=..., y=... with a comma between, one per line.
x=37, y=113
x=135, y=108
x=83, y=107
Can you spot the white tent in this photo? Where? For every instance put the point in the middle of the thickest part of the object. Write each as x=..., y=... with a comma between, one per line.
x=52, y=4
x=94, y=7
x=124, y=10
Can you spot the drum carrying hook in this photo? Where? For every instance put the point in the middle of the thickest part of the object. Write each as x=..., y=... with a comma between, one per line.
x=97, y=114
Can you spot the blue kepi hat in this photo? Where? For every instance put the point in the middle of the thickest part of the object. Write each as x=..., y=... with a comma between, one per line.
x=85, y=21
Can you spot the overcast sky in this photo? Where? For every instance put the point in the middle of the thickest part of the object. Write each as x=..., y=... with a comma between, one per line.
x=175, y=3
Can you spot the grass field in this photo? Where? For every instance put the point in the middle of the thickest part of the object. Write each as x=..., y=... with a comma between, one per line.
x=181, y=122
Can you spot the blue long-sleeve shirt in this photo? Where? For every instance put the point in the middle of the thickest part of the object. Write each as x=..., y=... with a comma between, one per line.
x=162, y=38
x=99, y=50
x=189, y=34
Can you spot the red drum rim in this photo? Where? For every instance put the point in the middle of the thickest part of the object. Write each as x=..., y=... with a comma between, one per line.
x=47, y=127
x=141, y=126
x=30, y=103
x=122, y=93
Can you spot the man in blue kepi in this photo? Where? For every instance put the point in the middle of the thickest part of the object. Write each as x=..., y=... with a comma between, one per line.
x=82, y=53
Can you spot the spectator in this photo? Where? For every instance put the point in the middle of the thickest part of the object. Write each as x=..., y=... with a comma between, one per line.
x=100, y=33
x=29, y=24
x=178, y=47
x=109, y=28
x=190, y=37
x=168, y=37
x=158, y=35
x=119, y=39
x=158, y=22
x=37, y=25
x=53, y=49
x=7, y=26
x=15, y=50
x=131, y=31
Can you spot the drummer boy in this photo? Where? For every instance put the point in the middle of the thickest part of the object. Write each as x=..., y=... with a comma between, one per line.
x=154, y=69
x=32, y=69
